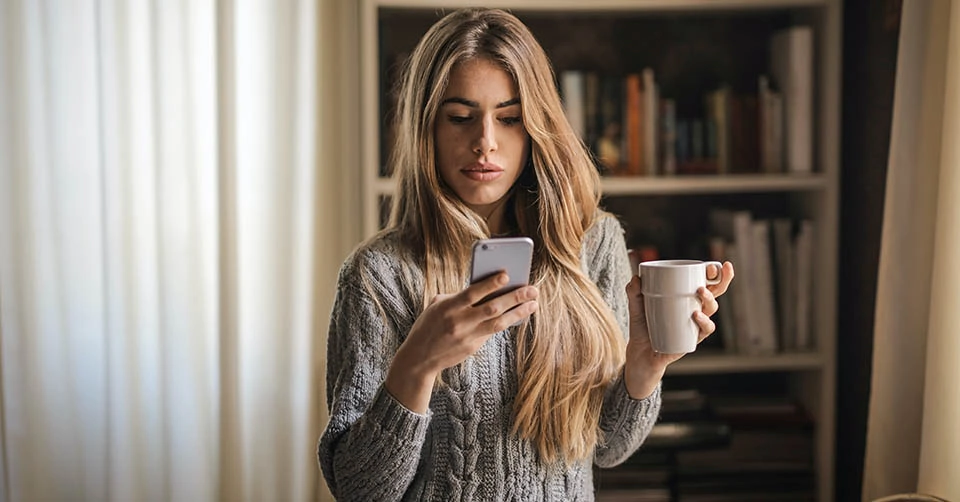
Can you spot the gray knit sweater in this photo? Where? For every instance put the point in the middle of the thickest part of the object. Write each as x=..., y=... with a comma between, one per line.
x=374, y=449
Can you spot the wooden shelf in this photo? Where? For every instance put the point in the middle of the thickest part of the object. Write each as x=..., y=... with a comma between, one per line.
x=694, y=364
x=733, y=183
x=659, y=185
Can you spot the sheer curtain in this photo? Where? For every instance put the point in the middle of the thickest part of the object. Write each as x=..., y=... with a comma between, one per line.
x=913, y=438
x=162, y=298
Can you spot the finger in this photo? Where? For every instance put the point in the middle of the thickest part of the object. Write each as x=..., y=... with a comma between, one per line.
x=728, y=273
x=634, y=288
x=712, y=271
x=496, y=306
x=479, y=290
x=709, y=302
x=635, y=298
x=706, y=325
x=509, y=318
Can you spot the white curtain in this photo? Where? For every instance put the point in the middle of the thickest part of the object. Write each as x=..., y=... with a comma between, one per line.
x=162, y=300
x=913, y=430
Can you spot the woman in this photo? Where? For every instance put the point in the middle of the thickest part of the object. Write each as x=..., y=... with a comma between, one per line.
x=432, y=394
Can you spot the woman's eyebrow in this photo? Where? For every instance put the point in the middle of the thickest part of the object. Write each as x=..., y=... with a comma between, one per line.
x=474, y=104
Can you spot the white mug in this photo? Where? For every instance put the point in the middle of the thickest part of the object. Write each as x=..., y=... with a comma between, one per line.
x=670, y=300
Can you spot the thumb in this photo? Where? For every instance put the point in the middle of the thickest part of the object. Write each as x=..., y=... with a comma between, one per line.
x=439, y=298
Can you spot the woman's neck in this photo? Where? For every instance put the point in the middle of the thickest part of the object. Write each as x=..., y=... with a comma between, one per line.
x=495, y=215
x=496, y=222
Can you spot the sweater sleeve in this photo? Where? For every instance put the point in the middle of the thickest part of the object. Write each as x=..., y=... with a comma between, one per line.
x=625, y=421
x=371, y=446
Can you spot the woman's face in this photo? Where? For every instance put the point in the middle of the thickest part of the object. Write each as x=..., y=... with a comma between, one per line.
x=481, y=143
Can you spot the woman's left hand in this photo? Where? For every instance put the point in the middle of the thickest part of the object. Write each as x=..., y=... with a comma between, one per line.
x=645, y=367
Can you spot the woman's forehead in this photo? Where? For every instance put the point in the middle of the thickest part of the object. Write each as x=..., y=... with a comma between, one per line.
x=481, y=78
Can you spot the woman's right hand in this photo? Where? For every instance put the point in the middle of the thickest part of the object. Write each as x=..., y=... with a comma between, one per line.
x=448, y=331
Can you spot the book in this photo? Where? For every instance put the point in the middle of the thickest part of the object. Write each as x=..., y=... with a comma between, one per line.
x=609, y=144
x=717, y=104
x=736, y=227
x=668, y=137
x=591, y=112
x=791, y=63
x=652, y=494
x=785, y=280
x=770, y=128
x=651, y=112
x=724, y=316
x=572, y=90
x=688, y=435
x=744, y=136
x=633, y=133
x=763, y=292
x=804, y=284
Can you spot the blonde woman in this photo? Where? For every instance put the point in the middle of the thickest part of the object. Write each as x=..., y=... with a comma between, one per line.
x=434, y=395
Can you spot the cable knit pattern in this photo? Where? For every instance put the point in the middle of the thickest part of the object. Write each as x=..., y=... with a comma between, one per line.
x=375, y=449
x=464, y=450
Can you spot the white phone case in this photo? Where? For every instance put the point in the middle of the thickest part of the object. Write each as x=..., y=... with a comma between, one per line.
x=512, y=254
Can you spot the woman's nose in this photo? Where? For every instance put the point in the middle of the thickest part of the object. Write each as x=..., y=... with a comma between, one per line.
x=486, y=142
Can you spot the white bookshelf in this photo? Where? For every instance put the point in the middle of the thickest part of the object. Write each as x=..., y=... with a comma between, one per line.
x=812, y=374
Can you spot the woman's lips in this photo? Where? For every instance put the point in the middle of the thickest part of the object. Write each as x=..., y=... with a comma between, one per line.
x=482, y=171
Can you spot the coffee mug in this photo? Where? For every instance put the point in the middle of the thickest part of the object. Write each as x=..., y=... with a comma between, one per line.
x=670, y=300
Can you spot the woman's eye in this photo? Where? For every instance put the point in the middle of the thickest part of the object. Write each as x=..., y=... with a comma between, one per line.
x=459, y=119
x=510, y=121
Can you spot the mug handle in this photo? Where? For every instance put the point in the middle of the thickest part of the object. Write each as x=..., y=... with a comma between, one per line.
x=719, y=278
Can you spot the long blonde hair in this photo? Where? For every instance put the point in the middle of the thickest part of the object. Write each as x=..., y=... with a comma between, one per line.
x=573, y=348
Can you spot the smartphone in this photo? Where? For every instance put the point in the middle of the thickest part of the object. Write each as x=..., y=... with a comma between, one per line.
x=511, y=254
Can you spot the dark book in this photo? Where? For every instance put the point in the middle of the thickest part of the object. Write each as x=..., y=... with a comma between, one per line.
x=634, y=495
x=761, y=412
x=674, y=436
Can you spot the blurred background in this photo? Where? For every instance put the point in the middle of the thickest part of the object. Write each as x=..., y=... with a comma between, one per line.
x=180, y=181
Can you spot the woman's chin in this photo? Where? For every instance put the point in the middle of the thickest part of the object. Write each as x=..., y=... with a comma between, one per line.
x=482, y=199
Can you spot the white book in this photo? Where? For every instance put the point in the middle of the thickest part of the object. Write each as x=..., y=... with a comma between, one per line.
x=743, y=237
x=739, y=302
x=792, y=68
x=737, y=228
x=805, y=271
x=572, y=89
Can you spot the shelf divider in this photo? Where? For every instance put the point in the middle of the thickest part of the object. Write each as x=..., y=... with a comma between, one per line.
x=716, y=363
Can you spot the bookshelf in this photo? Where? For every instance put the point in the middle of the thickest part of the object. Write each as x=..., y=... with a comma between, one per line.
x=715, y=364
x=623, y=36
